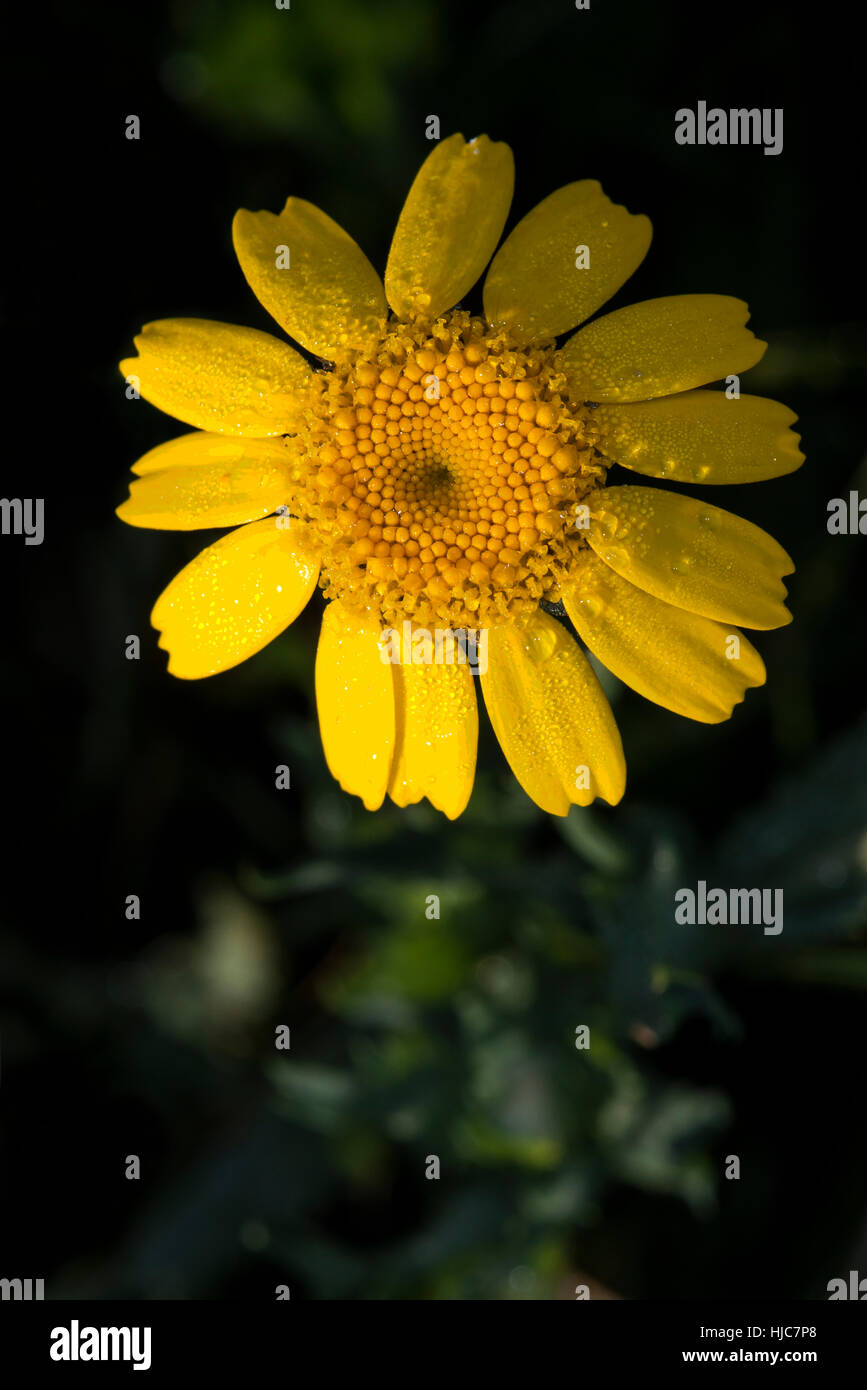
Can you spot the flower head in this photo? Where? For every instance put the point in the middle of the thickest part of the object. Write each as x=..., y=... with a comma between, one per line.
x=435, y=470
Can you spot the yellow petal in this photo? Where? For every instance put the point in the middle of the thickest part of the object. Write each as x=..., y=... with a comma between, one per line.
x=691, y=554
x=203, y=480
x=535, y=286
x=355, y=700
x=449, y=226
x=659, y=347
x=551, y=716
x=312, y=277
x=437, y=733
x=232, y=600
x=219, y=376
x=200, y=447
x=701, y=437
x=689, y=664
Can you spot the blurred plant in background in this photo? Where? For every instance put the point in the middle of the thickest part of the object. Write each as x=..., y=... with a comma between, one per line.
x=334, y=73
x=414, y=1036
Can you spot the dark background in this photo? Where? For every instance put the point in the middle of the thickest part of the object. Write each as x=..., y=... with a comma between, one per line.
x=410, y=1037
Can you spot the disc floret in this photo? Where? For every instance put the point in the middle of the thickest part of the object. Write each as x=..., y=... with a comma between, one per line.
x=442, y=475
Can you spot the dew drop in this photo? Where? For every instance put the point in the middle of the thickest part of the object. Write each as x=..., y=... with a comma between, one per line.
x=541, y=644
x=617, y=557
x=592, y=604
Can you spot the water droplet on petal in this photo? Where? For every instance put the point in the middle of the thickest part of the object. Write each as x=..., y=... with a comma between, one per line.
x=541, y=643
x=592, y=604
x=607, y=523
x=616, y=556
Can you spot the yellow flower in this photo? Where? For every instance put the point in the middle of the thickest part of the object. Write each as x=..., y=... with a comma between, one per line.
x=448, y=471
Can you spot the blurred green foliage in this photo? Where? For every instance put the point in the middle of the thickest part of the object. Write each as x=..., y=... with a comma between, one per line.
x=329, y=75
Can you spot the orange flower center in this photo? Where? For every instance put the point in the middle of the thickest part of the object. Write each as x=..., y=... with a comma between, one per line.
x=447, y=476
